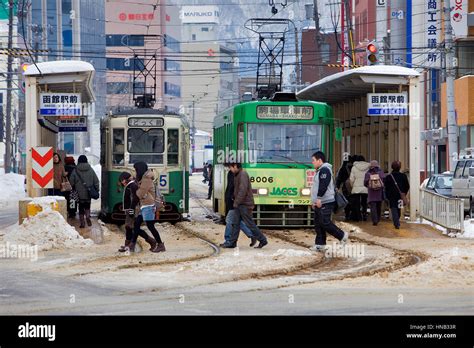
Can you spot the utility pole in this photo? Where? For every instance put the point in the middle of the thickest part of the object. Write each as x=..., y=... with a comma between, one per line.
x=297, y=66
x=318, y=36
x=8, y=123
x=452, y=126
x=193, y=133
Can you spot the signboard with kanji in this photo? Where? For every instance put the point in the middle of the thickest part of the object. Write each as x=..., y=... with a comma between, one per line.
x=75, y=124
x=387, y=104
x=60, y=104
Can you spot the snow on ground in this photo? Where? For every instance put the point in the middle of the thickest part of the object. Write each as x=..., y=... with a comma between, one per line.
x=12, y=188
x=48, y=230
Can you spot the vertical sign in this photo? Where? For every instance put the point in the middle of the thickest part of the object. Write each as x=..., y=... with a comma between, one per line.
x=42, y=172
x=459, y=17
x=432, y=31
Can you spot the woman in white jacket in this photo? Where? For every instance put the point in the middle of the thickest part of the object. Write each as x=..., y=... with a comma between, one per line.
x=359, y=192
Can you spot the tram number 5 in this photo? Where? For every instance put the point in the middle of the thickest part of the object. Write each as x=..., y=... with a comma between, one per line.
x=164, y=183
x=263, y=179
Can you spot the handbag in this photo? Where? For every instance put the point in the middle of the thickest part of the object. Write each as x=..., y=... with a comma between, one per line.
x=93, y=192
x=403, y=196
x=341, y=200
x=66, y=185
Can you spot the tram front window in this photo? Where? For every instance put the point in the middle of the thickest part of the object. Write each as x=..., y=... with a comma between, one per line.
x=283, y=142
x=145, y=145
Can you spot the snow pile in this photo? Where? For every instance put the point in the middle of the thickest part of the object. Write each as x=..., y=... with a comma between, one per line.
x=48, y=230
x=12, y=188
x=46, y=202
x=468, y=229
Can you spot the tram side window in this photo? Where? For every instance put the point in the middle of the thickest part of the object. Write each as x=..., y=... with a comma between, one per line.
x=173, y=146
x=118, y=148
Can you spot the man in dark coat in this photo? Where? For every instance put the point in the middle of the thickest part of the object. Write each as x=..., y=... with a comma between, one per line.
x=243, y=206
x=83, y=178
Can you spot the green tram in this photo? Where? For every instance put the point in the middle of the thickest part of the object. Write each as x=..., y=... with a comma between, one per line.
x=158, y=138
x=274, y=141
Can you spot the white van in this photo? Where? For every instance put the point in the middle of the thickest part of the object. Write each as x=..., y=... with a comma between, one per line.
x=463, y=180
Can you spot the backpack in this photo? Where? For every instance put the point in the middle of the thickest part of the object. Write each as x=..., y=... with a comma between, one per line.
x=375, y=183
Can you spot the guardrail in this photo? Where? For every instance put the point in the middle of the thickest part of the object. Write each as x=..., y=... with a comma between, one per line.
x=441, y=210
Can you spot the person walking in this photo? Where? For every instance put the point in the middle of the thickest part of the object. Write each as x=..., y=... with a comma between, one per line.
x=358, y=197
x=146, y=193
x=374, y=182
x=205, y=173
x=323, y=202
x=243, y=206
x=70, y=167
x=82, y=179
x=396, y=185
x=230, y=213
x=130, y=204
x=343, y=182
x=211, y=180
x=59, y=174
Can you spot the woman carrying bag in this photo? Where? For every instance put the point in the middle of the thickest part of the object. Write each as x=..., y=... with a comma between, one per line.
x=86, y=183
x=146, y=193
x=396, y=189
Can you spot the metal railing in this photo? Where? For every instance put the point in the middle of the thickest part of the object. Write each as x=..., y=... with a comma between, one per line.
x=445, y=211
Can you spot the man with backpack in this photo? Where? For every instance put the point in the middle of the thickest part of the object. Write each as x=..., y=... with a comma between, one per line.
x=374, y=182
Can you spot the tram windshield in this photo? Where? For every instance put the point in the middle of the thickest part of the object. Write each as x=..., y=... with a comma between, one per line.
x=283, y=142
x=146, y=145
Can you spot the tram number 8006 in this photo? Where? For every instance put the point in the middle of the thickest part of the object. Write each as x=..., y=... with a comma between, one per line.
x=263, y=179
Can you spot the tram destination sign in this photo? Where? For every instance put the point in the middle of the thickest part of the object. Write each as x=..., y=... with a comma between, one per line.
x=284, y=112
x=145, y=122
x=387, y=104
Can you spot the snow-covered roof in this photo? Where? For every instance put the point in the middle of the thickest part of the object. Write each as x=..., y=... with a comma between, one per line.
x=357, y=82
x=59, y=67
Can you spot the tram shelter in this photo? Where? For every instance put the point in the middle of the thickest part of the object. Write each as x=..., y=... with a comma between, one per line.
x=380, y=137
x=55, y=79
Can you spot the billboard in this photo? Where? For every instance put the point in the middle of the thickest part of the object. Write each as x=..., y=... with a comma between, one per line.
x=199, y=14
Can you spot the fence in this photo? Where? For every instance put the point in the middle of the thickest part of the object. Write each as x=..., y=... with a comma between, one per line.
x=444, y=211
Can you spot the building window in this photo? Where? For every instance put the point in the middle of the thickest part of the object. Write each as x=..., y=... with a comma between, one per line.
x=171, y=43
x=123, y=87
x=172, y=89
x=204, y=29
x=171, y=65
x=69, y=143
x=122, y=63
x=125, y=40
x=193, y=37
x=325, y=47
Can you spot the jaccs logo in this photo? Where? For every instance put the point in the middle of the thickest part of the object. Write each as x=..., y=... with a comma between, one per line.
x=284, y=191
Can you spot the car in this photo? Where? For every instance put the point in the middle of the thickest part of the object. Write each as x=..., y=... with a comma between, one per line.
x=440, y=183
x=463, y=180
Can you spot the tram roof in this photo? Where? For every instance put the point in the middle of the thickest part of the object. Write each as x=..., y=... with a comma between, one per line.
x=137, y=111
x=357, y=83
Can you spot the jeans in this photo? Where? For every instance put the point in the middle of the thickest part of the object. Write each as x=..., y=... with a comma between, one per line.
x=376, y=211
x=243, y=213
x=228, y=226
x=323, y=224
x=396, y=212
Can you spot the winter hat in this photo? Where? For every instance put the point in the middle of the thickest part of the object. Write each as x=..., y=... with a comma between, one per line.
x=374, y=164
x=140, y=168
x=82, y=159
x=69, y=160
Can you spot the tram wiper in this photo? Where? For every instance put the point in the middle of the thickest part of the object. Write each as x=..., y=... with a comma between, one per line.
x=292, y=160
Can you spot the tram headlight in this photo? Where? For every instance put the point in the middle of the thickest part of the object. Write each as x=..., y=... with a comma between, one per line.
x=306, y=192
x=263, y=191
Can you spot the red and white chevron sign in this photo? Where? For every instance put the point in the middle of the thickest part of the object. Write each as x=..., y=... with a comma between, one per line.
x=42, y=171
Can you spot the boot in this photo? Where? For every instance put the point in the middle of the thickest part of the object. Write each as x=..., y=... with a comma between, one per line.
x=81, y=219
x=131, y=247
x=151, y=241
x=88, y=217
x=124, y=248
x=160, y=247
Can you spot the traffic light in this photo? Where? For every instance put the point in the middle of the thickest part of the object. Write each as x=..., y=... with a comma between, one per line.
x=372, y=51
